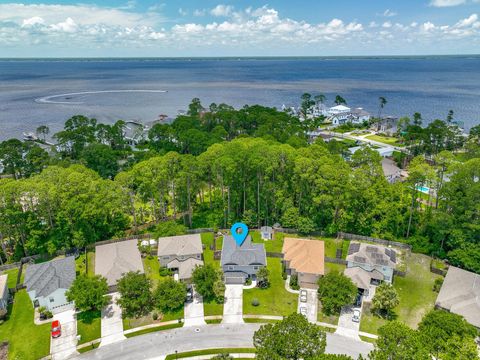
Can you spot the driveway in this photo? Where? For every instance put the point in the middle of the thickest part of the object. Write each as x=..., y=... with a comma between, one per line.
x=346, y=327
x=194, y=311
x=311, y=305
x=65, y=345
x=233, y=306
x=112, y=324
x=158, y=344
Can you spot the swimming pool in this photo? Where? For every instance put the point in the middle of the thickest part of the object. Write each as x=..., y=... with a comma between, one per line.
x=423, y=189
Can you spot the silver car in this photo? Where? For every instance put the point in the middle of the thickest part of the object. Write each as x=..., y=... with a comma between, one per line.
x=303, y=295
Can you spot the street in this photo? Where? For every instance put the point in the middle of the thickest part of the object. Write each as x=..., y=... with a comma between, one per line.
x=158, y=344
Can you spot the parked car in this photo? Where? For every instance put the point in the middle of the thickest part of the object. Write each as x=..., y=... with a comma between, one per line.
x=356, y=315
x=358, y=300
x=303, y=310
x=189, y=296
x=56, y=329
x=303, y=295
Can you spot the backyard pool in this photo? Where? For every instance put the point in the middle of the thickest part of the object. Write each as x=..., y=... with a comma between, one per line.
x=423, y=189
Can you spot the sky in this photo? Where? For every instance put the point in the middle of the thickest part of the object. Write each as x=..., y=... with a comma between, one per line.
x=174, y=28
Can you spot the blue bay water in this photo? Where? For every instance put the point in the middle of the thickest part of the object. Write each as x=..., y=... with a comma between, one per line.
x=429, y=85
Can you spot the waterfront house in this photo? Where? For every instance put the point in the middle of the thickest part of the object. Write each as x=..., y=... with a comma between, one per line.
x=304, y=258
x=114, y=260
x=240, y=262
x=48, y=282
x=181, y=254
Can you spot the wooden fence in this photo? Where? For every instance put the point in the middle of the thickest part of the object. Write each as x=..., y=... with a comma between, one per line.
x=374, y=240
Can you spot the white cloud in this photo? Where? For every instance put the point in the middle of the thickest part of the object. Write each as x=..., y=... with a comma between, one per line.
x=199, y=12
x=446, y=3
x=428, y=26
x=387, y=24
x=472, y=19
x=389, y=13
x=222, y=10
x=36, y=20
x=182, y=12
x=68, y=26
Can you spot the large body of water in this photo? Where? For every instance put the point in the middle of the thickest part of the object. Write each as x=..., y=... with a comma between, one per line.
x=101, y=88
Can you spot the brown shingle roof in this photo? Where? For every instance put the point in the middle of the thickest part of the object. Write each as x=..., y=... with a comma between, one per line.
x=305, y=256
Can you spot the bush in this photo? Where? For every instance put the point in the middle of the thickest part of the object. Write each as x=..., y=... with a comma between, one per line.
x=165, y=271
x=294, y=282
x=248, y=281
x=155, y=316
x=255, y=302
x=437, y=285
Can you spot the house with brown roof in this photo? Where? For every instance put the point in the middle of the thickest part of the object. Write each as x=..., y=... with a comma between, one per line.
x=460, y=294
x=181, y=254
x=114, y=260
x=305, y=258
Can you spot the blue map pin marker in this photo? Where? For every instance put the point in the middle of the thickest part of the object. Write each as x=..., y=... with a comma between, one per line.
x=239, y=238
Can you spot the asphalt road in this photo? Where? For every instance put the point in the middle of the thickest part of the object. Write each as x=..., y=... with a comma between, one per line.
x=158, y=344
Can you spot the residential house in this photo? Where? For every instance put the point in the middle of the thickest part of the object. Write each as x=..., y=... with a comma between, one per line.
x=391, y=171
x=341, y=114
x=304, y=258
x=114, y=260
x=181, y=254
x=4, y=292
x=266, y=232
x=370, y=265
x=240, y=262
x=388, y=125
x=460, y=294
x=48, y=282
x=384, y=151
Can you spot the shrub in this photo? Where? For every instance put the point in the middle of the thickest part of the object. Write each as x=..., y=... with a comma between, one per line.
x=294, y=282
x=255, y=302
x=437, y=285
x=155, y=316
x=165, y=271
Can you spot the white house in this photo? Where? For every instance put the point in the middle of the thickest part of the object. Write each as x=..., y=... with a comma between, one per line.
x=386, y=151
x=339, y=109
x=48, y=282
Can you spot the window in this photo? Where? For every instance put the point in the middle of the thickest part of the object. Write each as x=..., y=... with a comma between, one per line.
x=166, y=257
x=51, y=299
x=231, y=267
x=255, y=268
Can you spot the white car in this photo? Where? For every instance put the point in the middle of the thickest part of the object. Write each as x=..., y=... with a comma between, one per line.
x=303, y=295
x=356, y=315
x=303, y=310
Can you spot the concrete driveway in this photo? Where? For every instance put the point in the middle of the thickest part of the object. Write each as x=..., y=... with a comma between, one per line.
x=346, y=327
x=311, y=305
x=233, y=306
x=194, y=311
x=65, y=345
x=112, y=324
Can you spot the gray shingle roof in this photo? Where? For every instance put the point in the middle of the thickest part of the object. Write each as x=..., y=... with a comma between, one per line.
x=247, y=254
x=114, y=260
x=460, y=294
x=180, y=245
x=49, y=276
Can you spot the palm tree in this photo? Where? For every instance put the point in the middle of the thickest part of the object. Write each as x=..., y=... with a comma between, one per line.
x=340, y=100
x=320, y=98
x=382, y=102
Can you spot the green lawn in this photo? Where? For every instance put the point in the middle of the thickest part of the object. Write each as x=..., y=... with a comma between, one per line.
x=88, y=326
x=130, y=323
x=27, y=340
x=151, y=266
x=207, y=240
x=274, y=245
x=415, y=292
x=12, y=277
x=212, y=308
x=384, y=139
x=273, y=301
x=81, y=264
x=329, y=267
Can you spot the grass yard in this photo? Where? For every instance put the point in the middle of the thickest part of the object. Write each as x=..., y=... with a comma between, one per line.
x=12, y=277
x=84, y=261
x=207, y=240
x=88, y=326
x=415, y=292
x=212, y=308
x=27, y=340
x=130, y=323
x=329, y=267
x=384, y=139
x=273, y=301
x=151, y=266
x=274, y=245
